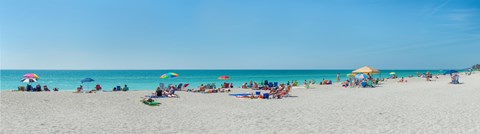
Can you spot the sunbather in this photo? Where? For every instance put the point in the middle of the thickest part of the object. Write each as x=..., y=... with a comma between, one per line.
x=255, y=86
x=45, y=88
x=170, y=93
x=29, y=88
x=345, y=83
x=201, y=88
x=79, y=89
x=125, y=88
x=158, y=92
x=244, y=85
x=38, y=88
x=279, y=91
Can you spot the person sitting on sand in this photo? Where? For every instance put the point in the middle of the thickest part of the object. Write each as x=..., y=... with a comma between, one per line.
x=38, y=88
x=98, y=87
x=79, y=89
x=158, y=92
x=255, y=86
x=273, y=93
x=55, y=89
x=125, y=88
x=45, y=88
x=171, y=92
x=285, y=92
x=345, y=83
x=29, y=88
x=21, y=88
x=171, y=87
x=455, y=79
x=244, y=85
x=201, y=88
x=279, y=91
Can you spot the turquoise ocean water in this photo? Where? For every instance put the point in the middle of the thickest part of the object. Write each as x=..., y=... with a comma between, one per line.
x=150, y=79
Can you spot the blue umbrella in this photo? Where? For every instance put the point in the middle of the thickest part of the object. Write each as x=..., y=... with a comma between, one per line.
x=450, y=72
x=87, y=80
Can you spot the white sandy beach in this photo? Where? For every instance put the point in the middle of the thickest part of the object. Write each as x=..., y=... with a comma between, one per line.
x=414, y=107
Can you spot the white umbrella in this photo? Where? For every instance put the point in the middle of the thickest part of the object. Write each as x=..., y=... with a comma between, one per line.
x=28, y=80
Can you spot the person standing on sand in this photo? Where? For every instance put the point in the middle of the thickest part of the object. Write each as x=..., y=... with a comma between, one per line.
x=428, y=76
x=338, y=77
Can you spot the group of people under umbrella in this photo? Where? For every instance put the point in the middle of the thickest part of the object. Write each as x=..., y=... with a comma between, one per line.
x=362, y=77
x=31, y=78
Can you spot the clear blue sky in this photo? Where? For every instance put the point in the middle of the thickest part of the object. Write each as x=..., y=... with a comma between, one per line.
x=240, y=34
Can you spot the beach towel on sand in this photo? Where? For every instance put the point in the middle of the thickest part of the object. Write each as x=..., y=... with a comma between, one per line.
x=176, y=96
x=237, y=95
x=151, y=103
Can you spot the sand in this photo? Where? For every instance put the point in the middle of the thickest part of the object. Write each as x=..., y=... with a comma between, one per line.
x=414, y=107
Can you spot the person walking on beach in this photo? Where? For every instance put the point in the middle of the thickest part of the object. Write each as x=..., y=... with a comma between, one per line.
x=338, y=77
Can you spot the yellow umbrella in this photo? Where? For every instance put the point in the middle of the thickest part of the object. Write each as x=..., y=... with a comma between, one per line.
x=366, y=69
x=392, y=73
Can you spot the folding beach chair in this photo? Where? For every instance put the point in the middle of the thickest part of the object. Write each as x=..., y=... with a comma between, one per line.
x=179, y=87
x=162, y=86
x=213, y=86
x=185, y=86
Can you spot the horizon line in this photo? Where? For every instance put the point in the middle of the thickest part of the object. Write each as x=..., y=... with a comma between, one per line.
x=218, y=69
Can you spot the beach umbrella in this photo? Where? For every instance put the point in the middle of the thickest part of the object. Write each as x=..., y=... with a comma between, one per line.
x=28, y=80
x=450, y=72
x=392, y=73
x=361, y=76
x=86, y=80
x=224, y=77
x=32, y=75
x=366, y=69
x=169, y=75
